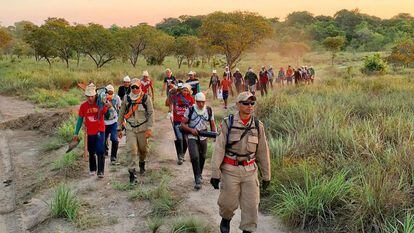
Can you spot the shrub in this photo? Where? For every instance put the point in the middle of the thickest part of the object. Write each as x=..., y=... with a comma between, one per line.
x=64, y=203
x=374, y=65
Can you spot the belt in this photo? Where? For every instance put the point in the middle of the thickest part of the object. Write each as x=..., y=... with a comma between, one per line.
x=236, y=162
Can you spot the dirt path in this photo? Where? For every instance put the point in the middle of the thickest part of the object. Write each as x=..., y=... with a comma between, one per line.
x=12, y=108
x=202, y=203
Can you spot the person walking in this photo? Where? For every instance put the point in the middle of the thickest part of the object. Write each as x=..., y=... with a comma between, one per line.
x=240, y=149
x=225, y=89
x=263, y=79
x=92, y=112
x=111, y=123
x=196, y=120
x=147, y=85
x=179, y=103
x=195, y=84
x=251, y=80
x=238, y=81
x=214, y=83
x=125, y=89
x=137, y=110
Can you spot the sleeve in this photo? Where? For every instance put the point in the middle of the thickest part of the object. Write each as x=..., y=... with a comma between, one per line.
x=165, y=80
x=81, y=111
x=150, y=112
x=122, y=112
x=263, y=154
x=79, y=123
x=218, y=152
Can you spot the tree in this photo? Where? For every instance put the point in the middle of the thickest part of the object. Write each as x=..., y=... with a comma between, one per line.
x=334, y=44
x=161, y=46
x=374, y=65
x=299, y=18
x=5, y=38
x=234, y=33
x=39, y=39
x=98, y=43
x=294, y=50
x=186, y=47
x=402, y=53
x=61, y=37
x=137, y=39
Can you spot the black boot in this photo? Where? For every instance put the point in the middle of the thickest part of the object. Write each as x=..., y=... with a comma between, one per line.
x=180, y=151
x=132, y=176
x=114, y=150
x=177, y=147
x=247, y=232
x=225, y=226
x=141, y=167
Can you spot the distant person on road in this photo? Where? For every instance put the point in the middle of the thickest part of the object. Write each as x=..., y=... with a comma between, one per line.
x=214, y=83
x=312, y=74
x=240, y=149
x=271, y=75
x=195, y=84
x=281, y=76
x=225, y=89
x=227, y=73
x=147, y=85
x=263, y=79
x=238, y=81
x=289, y=75
x=169, y=81
x=196, y=120
x=250, y=79
x=125, y=89
x=92, y=113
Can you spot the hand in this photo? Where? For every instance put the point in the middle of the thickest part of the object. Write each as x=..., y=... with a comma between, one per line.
x=194, y=132
x=108, y=104
x=148, y=133
x=169, y=115
x=75, y=138
x=265, y=185
x=119, y=134
x=215, y=182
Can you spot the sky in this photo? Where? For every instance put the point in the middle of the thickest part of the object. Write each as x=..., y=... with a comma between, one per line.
x=133, y=12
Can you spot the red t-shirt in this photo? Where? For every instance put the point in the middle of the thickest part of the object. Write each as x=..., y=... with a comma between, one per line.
x=145, y=85
x=225, y=84
x=93, y=123
x=245, y=121
x=180, y=105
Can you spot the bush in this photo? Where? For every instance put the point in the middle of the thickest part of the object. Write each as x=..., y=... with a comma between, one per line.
x=374, y=65
x=190, y=225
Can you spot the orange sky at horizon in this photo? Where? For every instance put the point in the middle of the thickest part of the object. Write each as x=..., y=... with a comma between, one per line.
x=133, y=12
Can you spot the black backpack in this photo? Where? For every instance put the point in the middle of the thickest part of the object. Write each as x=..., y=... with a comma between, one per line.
x=144, y=104
x=246, y=130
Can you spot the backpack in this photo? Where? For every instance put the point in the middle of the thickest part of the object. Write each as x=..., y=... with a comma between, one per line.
x=144, y=104
x=246, y=129
x=191, y=111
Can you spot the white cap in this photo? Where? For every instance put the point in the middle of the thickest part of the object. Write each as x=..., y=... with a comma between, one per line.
x=180, y=85
x=214, y=71
x=237, y=69
x=168, y=69
x=110, y=88
x=188, y=86
x=127, y=79
x=90, y=90
x=200, y=97
x=191, y=73
x=145, y=73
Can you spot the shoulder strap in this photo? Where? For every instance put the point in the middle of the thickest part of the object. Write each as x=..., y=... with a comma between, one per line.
x=144, y=102
x=229, y=126
x=210, y=113
x=191, y=111
x=257, y=125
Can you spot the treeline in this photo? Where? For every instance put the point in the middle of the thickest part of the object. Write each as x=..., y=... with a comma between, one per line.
x=196, y=40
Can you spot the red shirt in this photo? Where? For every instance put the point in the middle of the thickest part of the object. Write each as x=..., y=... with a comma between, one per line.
x=180, y=105
x=145, y=85
x=245, y=121
x=225, y=84
x=93, y=123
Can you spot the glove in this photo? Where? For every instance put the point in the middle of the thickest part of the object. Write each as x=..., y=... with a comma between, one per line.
x=215, y=183
x=265, y=184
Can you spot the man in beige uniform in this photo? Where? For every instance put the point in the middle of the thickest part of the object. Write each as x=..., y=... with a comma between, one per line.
x=235, y=160
x=137, y=111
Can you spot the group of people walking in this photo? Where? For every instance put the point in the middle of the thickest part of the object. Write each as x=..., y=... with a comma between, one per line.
x=239, y=149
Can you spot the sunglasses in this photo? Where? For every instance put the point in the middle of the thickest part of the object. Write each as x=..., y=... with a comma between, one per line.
x=134, y=87
x=246, y=103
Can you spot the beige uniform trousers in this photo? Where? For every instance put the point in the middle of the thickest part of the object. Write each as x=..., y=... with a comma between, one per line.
x=240, y=187
x=136, y=143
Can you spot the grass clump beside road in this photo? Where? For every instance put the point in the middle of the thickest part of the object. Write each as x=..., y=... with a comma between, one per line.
x=64, y=203
x=342, y=154
x=190, y=225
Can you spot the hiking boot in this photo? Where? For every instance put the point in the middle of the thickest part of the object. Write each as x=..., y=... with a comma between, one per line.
x=114, y=162
x=132, y=176
x=225, y=226
x=141, y=167
x=197, y=186
x=100, y=175
x=92, y=173
x=180, y=161
x=247, y=232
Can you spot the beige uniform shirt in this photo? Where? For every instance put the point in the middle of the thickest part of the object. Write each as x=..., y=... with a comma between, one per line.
x=138, y=117
x=253, y=143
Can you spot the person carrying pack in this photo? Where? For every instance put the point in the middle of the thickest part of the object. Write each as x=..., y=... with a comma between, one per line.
x=197, y=119
x=137, y=111
x=111, y=122
x=240, y=149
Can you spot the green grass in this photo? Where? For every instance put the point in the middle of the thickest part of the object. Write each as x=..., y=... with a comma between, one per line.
x=67, y=161
x=190, y=225
x=64, y=203
x=154, y=224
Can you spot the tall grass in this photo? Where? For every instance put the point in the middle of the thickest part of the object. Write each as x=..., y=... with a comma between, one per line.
x=341, y=153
